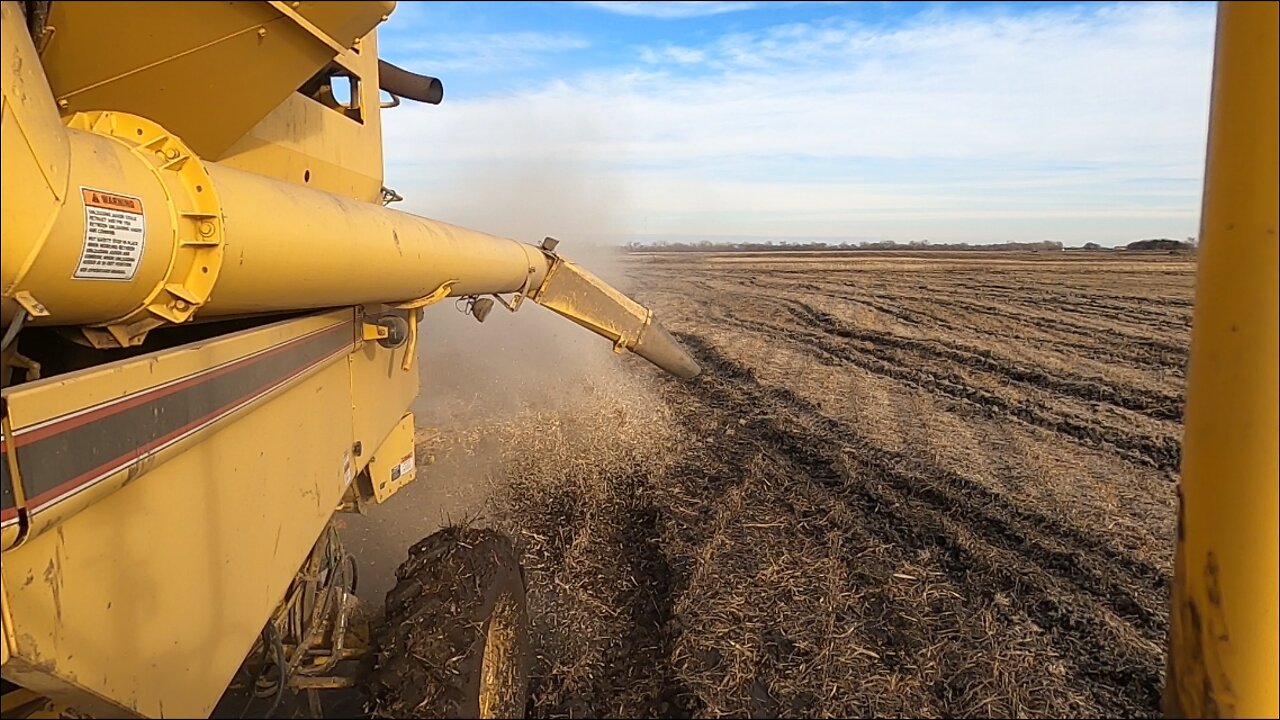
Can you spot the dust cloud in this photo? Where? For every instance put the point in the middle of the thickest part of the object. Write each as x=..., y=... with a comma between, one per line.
x=530, y=358
x=530, y=366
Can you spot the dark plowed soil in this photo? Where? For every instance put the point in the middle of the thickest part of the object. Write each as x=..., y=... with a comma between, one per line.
x=900, y=487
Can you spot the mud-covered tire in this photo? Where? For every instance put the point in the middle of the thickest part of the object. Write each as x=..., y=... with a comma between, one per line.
x=455, y=639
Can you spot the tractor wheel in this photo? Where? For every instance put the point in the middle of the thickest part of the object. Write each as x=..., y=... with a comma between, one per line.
x=455, y=639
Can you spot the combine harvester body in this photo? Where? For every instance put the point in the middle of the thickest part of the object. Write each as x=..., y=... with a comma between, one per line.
x=211, y=329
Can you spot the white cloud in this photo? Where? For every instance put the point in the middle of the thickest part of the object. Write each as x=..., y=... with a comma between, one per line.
x=485, y=51
x=672, y=10
x=672, y=54
x=1091, y=120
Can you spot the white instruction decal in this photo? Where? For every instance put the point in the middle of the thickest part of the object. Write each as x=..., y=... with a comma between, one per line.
x=348, y=472
x=403, y=468
x=115, y=230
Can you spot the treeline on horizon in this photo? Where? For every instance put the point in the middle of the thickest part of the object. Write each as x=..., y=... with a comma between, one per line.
x=914, y=246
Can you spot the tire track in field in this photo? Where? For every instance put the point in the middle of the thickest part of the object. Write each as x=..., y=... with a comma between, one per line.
x=1056, y=575
x=1157, y=350
x=1161, y=453
x=1123, y=317
x=926, y=314
x=1157, y=405
x=1029, y=314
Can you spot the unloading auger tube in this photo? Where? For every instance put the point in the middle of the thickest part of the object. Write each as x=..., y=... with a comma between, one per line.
x=115, y=226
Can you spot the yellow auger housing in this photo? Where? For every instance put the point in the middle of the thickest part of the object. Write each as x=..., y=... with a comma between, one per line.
x=114, y=225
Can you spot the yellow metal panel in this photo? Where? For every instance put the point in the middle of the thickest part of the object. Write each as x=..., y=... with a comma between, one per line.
x=45, y=407
x=186, y=65
x=9, y=535
x=305, y=142
x=337, y=20
x=153, y=595
x=1225, y=638
x=393, y=465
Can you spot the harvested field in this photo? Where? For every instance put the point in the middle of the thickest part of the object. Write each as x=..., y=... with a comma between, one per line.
x=924, y=486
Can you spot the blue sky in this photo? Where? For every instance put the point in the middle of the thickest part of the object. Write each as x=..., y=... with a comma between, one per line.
x=606, y=122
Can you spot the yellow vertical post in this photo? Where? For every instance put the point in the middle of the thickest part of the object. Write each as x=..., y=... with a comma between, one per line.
x=1223, y=642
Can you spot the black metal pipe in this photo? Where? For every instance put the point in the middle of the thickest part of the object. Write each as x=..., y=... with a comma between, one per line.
x=405, y=84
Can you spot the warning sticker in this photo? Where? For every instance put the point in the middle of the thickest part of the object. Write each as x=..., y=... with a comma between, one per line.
x=403, y=468
x=348, y=472
x=115, y=231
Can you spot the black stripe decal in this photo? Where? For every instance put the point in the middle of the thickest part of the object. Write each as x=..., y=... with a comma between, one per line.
x=61, y=462
x=8, y=505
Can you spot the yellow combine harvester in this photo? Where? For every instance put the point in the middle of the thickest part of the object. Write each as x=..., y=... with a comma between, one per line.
x=210, y=331
x=211, y=345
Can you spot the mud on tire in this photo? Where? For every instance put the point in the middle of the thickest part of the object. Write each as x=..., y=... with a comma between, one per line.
x=454, y=643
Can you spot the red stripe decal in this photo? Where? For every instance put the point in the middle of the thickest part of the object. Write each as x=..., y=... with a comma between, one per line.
x=149, y=395
x=138, y=453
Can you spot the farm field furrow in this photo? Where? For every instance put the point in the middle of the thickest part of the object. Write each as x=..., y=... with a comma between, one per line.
x=938, y=486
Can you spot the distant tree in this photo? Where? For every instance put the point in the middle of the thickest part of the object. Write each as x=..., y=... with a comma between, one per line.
x=879, y=245
x=1160, y=244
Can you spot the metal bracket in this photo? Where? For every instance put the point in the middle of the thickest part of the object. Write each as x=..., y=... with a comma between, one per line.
x=513, y=304
x=388, y=195
x=520, y=295
x=413, y=306
x=373, y=331
x=287, y=10
x=28, y=302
